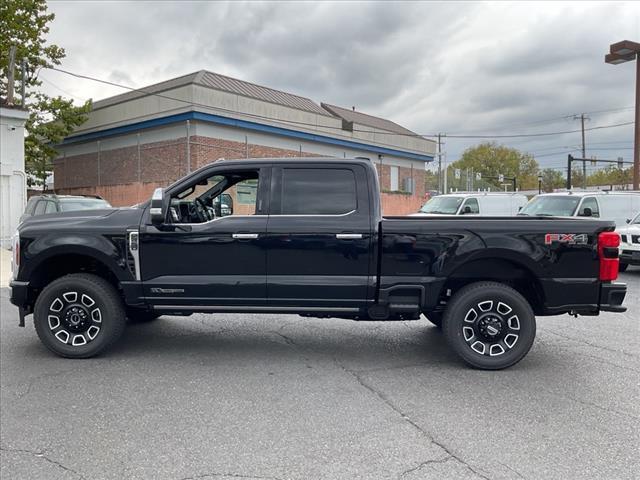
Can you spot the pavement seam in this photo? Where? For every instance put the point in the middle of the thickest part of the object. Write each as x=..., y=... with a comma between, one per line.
x=410, y=421
x=43, y=456
x=232, y=475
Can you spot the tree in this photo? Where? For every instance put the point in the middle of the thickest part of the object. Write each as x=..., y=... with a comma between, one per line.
x=552, y=179
x=25, y=25
x=491, y=160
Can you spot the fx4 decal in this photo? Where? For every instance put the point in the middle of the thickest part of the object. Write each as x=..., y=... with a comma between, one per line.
x=570, y=238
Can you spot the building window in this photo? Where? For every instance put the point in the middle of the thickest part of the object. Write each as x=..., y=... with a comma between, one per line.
x=394, y=182
x=246, y=191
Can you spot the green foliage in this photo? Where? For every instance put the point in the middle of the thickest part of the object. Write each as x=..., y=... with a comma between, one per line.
x=430, y=180
x=25, y=24
x=611, y=176
x=491, y=160
x=552, y=179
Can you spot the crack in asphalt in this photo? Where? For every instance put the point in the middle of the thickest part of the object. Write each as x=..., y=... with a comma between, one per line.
x=513, y=470
x=43, y=456
x=232, y=475
x=424, y=464
x=410, y=421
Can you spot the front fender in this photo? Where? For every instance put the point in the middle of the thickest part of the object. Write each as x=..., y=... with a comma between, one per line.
x=104, y=250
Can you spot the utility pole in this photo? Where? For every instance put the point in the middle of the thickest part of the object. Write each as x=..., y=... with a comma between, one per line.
x=10, y=74
x=582, y=118
x=23, y=83
x=440, y=164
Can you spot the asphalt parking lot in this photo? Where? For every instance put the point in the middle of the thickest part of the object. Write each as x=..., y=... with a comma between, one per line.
x=283, y=397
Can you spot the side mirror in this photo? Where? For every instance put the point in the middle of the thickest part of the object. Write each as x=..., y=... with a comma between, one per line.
x=226, y=205
x=628, y=220
x=159, y=206
x=587, y=212
x=520, y=208
x=467, y=209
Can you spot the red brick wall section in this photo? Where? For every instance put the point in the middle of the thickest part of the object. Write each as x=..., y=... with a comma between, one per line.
x=399, y=204
x=125, y=176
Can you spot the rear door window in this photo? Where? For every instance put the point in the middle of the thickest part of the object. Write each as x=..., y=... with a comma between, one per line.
x=50, y=208
x=40, y=207
x=318, y=191
x=591, y=203
x=472, y=203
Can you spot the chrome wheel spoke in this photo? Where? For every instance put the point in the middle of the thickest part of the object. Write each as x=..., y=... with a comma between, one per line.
x=74, y=318
x=471, y=316
x=78, y=340
x=54, y=321
x=510, y=340
x=63, y=336
x=491, y=328
x=485, y=306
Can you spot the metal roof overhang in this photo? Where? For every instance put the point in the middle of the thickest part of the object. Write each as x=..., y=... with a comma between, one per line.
x=233, y=122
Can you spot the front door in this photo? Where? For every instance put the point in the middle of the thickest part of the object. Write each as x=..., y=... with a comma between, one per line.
x=319, y=237
x=211, y=250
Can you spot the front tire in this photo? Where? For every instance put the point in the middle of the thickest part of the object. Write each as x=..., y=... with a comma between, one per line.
x=490, y=325
x=79, y=316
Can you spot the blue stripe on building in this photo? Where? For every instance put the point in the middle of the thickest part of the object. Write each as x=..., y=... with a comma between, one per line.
x=247, y=125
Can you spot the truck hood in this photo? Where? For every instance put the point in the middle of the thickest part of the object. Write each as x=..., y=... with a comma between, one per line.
x=108, y=218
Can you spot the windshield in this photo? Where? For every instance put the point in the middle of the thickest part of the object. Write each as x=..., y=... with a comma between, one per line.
x=444, y=205
x=71, y=204
x=557, y=206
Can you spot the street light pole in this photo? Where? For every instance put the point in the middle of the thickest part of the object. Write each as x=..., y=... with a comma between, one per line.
x=622, y=52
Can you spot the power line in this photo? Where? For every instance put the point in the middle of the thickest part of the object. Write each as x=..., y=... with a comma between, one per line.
x=431, y=136
x=543, y=134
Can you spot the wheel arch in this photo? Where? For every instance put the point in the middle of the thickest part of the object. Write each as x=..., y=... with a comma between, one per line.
x=57, y=262
x=505, y=269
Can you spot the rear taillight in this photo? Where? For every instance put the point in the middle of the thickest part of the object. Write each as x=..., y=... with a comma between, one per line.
x=608, y=243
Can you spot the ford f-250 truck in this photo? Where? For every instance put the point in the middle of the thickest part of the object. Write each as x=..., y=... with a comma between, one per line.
x=307, y=236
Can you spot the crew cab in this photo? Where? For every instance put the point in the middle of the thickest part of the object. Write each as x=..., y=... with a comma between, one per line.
x=306, y=236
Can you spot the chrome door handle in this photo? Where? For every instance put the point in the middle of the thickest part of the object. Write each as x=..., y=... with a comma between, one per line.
x=348, y=236
x=244, y=236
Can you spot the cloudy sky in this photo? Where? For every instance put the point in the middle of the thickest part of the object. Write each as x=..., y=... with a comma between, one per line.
x=455, y=68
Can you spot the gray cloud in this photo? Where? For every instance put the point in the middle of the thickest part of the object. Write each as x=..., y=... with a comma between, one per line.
x=433, y=67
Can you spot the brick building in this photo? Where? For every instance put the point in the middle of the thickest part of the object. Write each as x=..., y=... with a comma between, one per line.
x=137, y=141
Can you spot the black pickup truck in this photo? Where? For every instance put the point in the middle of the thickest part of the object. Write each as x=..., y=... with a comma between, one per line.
x=307, y=236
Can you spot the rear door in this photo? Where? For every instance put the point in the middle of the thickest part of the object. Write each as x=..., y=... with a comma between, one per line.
x=319, y=237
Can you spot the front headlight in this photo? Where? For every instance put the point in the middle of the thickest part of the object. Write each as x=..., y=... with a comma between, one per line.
x=15, y=255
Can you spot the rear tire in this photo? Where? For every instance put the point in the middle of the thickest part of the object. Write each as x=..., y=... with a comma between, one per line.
x=490, y=325
x=79, y=316
x=623, y=267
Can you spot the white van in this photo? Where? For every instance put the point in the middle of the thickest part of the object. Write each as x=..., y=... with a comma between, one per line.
x=481, y=203
x=630, y=243
x=616, y=206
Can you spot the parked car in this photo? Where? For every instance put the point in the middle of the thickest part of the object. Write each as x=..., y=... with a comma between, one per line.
x=51, y=203
x=309, y=239
x=630, y=243
x=616, y=206
x=483, y=203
